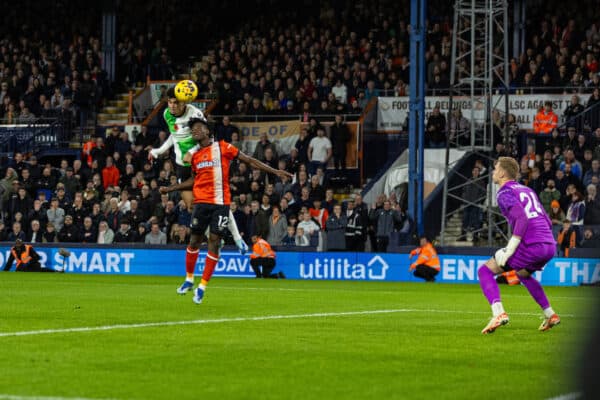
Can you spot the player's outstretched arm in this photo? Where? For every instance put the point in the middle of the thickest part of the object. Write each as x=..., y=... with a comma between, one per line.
x=254, y=163
x=186, y=185
x=163, y=148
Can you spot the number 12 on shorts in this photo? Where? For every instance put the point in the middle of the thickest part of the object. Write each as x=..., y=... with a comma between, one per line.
x=223, y=221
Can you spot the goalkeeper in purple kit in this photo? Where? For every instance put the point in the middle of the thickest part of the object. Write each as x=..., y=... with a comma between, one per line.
x=531, y=246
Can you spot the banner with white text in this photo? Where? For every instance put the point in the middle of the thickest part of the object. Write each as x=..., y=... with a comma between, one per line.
x=297, y=265
x=281, y=133
x=392, y=111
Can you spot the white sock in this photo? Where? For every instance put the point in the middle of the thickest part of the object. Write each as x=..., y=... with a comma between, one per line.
x=190, y=280
x=497, y=308
x=232, y=226
x=548, y=312
x=201, y=286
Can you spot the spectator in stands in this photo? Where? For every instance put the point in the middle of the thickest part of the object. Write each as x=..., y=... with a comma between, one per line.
x=89, y=233
x=262, y=145
x=593, y=171
x=49, y=235
x=545, y=120
x=594, y=98
x=110, y=174
x=155, y=236
x=575, y=167
x=535, y=180
x=549, y=195
x=586, y=163
x=257, y=221
x=105, y=234
x=69, y=232
x=576, y=209
x=459, y=128
x=355, y=229
x=301, y=238
x=318, y=213
x=590, y=240
x=567, y=238
x=596, y=145
x=35, y=233
x=113, y=214
x=180, y=235
x=290, y=237
x=427, y=264
x=335, y=227
x=55, y=214
x=142, y=231
x=319, y=151
x=592, y=206
x=123, y=144
x=436, y=129
x=548, y=171
x=125, y=234
x=385, y=219
x=19, y=202
x=16, y=233
x=573, y=109
x=340, y=136
x=580, y=147
x=570, y=140
x=35, y=170
x=474, y=192
x=225, y=130
x=277, y=226
x=308, y=225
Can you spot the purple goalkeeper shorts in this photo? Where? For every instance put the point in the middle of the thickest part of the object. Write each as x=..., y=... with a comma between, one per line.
x=533, y=257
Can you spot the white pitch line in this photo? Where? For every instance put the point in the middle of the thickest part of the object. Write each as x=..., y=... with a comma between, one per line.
x=16, y=397
x=243, y=319
x=568, y=396
x=279, y=289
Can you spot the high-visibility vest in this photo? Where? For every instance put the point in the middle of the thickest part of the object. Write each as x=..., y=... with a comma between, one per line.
x=262, y=249
x=545, y=123
x=24, y=257
x=427, y=256
x=511, y=277
x=87, y=148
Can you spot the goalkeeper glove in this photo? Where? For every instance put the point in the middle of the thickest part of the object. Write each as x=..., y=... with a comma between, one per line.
x=505, y=253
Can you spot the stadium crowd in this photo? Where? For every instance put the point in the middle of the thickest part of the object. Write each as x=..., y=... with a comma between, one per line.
x=112, y=195
x=325, y=65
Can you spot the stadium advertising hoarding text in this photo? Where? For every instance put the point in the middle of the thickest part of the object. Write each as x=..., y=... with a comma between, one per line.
x=298, y=265
x=392, y=111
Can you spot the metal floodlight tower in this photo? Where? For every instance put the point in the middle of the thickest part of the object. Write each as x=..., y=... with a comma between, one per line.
x=479, y=81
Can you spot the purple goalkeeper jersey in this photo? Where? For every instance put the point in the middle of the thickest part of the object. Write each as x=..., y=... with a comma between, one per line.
x=527, y=218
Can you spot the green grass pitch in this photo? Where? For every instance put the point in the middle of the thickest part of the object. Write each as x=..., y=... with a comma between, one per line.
x=256, y=339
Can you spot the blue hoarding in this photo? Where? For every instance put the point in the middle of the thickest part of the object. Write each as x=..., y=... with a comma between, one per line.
x=296, y=265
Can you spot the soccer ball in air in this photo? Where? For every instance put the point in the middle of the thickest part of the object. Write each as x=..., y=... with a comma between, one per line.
x=186, y=91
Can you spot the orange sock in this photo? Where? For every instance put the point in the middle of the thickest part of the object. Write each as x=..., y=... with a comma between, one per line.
x=209, y=267
x=191, y=256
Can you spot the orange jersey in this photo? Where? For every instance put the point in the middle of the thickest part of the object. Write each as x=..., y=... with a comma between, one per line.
x=210, y=165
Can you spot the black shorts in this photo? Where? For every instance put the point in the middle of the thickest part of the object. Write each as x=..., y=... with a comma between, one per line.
x=210, y=215
x=183, y=173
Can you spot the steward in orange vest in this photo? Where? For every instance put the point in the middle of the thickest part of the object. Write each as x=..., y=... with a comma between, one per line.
x=263, y=256
x=508, y=277
x=427, y=264
x=545, y=119
x=26, y=257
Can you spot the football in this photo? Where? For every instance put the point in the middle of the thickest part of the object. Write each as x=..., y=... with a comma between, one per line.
x=186, y=91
